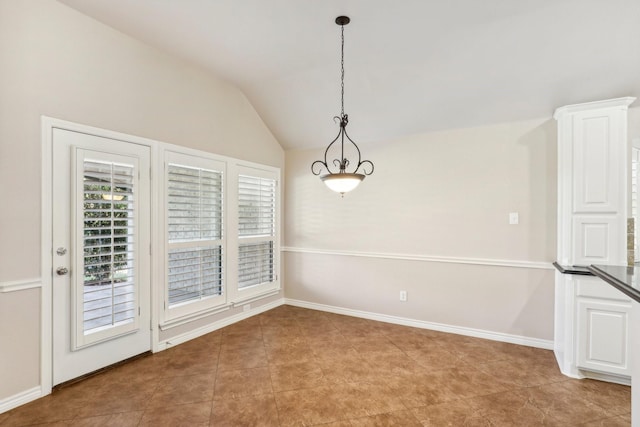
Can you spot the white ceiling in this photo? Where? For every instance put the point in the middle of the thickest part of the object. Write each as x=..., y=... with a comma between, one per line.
x=411, y=65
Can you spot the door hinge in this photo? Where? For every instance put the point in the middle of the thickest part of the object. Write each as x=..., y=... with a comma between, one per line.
x=138, y=311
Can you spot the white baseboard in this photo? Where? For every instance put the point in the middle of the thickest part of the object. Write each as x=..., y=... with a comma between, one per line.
x=460, y=330
x=21, y=398
x=187, y=336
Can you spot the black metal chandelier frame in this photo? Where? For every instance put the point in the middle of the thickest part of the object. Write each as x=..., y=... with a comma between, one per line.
x=343, y=163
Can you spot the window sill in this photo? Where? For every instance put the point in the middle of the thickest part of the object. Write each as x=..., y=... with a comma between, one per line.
x=255, y=297
x=172, y=323
x=182, y=320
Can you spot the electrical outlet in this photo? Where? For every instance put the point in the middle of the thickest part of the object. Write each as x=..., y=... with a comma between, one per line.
x=246, y=307
x=514, y=218
x=403, y=295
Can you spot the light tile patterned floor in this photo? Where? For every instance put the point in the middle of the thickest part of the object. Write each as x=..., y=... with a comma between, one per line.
x=297, y=367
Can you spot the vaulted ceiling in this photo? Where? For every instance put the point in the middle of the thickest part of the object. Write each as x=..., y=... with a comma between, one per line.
x=412, y=66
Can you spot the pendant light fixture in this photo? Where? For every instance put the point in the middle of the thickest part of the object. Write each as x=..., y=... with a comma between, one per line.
x=340, y=179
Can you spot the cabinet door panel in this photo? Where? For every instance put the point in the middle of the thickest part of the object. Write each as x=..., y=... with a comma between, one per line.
x=603, y=337
x=597, y=155
x=597, y=240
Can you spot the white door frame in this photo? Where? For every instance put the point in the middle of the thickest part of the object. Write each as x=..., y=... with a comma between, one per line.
x=46, y=255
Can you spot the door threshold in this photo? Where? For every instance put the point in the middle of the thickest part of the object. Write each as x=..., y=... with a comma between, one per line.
x=99, y=371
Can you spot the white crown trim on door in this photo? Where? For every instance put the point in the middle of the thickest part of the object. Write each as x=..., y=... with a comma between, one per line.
x=460, y=330
x=19, y=285
x=426, y=258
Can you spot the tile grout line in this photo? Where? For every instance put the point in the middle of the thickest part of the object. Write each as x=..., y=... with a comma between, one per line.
x=273, y=390
x=215, y=379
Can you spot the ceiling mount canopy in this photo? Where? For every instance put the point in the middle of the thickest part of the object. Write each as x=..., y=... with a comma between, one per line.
x=342, y=21
x=340, y=179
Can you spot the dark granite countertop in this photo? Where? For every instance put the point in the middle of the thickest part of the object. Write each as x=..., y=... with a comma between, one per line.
x=573, y=269
x=625, y=279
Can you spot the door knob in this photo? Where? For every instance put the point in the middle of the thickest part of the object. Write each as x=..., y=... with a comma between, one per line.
x=61, y=271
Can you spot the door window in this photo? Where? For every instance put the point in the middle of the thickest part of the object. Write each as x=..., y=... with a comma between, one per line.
x=106, y=291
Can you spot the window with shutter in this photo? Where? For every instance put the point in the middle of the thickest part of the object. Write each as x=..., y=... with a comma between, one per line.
x=194, y=200
x=205, y=271
x=109, y=294
x=256, y=230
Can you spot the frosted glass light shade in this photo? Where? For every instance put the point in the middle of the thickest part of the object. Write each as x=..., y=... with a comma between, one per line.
x=342, y=182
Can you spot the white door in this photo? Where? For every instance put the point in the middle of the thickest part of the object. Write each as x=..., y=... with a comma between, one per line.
x=101, y=243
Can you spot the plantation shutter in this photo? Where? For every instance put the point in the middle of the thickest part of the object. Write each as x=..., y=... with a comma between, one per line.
x=109, y=294
x=194, y=228
x=256, y=230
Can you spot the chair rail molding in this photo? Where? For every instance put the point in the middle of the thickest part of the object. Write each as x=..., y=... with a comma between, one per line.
x=426, y=258
x=20, y=285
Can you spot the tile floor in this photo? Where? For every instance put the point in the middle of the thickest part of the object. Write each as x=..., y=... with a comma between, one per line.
x=296, y=367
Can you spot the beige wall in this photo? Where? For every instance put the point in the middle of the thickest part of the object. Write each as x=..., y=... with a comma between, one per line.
x=19, y=348
x=515, y=301
x=59, y=63
x=445, y=194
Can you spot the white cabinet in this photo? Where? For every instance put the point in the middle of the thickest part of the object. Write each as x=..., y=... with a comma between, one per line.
x=599, y=150
x=603, y=337
x=592, y=182
x=602, y=327
x=592, y=318
x=592, y=336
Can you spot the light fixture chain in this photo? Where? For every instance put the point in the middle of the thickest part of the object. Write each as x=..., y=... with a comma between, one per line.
x=342, y=73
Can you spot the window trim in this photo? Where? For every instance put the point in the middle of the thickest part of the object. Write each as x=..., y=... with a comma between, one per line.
x=197, y=160
x=232, y=297
x=251, y=293
x=79, y=158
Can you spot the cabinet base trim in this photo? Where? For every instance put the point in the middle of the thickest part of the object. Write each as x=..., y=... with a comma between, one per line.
x=610, y=378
